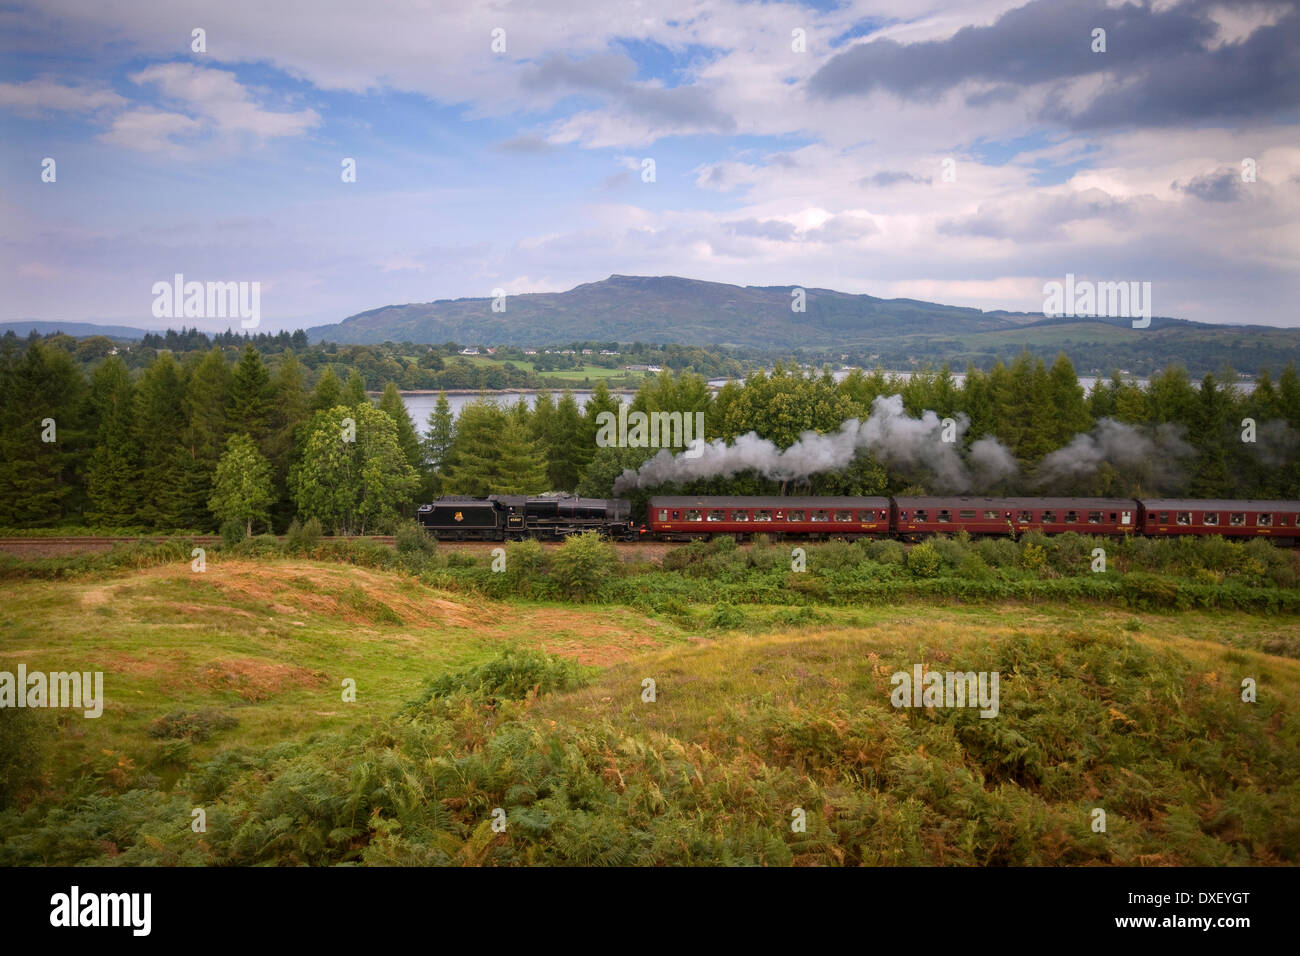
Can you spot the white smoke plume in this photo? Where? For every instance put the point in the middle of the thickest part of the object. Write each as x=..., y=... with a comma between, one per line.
x=1157, y=456
x=895, y=438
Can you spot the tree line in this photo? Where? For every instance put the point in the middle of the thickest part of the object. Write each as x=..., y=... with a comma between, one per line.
x=201, y=441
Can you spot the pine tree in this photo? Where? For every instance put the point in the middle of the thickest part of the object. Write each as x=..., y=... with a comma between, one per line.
x=43, y=396
x=570, y=450
x=289, y=414
x=207, y=412
x=391, y=403
x=112, y=479
x=1068, y=411
x=250, y=398
x=354, y=393
x=442, y=432
x=159, y=432
x=328, y=391
x=520, y=467
x=542, y=423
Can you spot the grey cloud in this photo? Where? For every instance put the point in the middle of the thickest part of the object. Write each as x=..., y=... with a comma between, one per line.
x=527, y=143
x=611, y=77
x=842, y=228
x=1038, y=218
x=762, y=229
x=889, y=177
x=1222, y=185
x=1157, y=65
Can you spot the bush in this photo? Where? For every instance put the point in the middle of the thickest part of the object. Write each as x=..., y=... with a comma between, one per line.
x=582, y=564
x=1033, y=557
x=834, y=556
x=974, y=568
x=886, y=551
x=302, y=537
x=998, y=552
x=411, y=538
x=197, y=726
x=233, y=531
x=952, y=551
x=727, y=617
x=512, y=675
x=923, y=561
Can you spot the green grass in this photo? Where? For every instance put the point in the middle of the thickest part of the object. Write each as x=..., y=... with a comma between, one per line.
x=761, y=708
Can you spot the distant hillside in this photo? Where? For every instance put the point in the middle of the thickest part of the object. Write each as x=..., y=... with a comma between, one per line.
x=666, y=309
x=77, y=330
x=896, y=333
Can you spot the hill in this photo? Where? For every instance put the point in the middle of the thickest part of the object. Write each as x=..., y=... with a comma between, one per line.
x=76, y=329
x=863, y=328
x=664, y=309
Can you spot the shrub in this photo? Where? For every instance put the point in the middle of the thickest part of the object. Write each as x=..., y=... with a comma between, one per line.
x=886, y=551
x=194, y=726
x=951, y=550
x=974, y=568
x=727, y=617
x=302, y=537
x=525, y=558
x=1033, y=557
x=923, y=561
x=998, y=552
x=1150, y=590
x=834, y=556
x=411, y=538
x=511, y=675
x=582, y=564
x=233, y=531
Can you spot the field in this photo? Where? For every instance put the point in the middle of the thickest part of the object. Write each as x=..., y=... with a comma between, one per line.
x=224, y=693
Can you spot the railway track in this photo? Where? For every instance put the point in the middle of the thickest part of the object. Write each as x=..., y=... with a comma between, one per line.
x=63, y=545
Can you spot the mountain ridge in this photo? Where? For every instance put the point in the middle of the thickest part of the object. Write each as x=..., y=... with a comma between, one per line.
x=678, y=310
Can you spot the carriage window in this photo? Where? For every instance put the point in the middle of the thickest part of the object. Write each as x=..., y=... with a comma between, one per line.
x=1071, y=517
x=663, y=516
x=1281, y=520
x=1094, y=517
x=717, y=515
x=1112, y=516
x=762, y=516
x=694, y=516
x=990, y=516
x=944, y=515
x=922, y=515
x=820, y=516
x=844, y=516
x=866, y=516
x=676, y=515
x=1164, y=517
x=966, y=515
x=797, y=516
x=1184, y=517
x=1210, y=517
x=740, y=516
x=1049, y=517
x=1264, y=521
x=1236, y=518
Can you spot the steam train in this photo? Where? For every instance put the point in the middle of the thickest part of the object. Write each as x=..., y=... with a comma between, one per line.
x=516, y=517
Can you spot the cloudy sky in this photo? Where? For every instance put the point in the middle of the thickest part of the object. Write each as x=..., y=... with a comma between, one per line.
x=964, y=153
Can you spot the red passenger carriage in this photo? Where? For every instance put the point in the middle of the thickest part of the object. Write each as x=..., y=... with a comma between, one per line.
x=685, y=517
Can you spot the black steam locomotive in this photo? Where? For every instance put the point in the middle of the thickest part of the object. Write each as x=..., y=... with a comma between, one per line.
x=516, y=517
